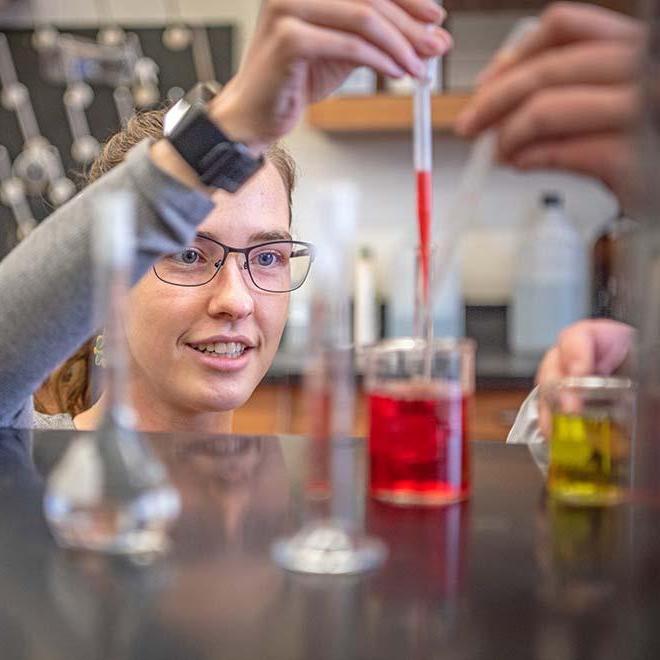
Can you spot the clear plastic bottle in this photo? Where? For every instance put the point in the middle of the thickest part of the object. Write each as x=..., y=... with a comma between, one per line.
x=365, y=310
x=550, y=284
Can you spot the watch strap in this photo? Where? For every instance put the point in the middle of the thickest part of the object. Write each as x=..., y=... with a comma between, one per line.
x=218, y=161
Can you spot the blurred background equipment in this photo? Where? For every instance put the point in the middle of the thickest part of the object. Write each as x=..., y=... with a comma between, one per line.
x=63, y=91
x=550, y=290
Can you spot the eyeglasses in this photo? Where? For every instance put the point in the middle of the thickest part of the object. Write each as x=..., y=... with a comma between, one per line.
x=276, y=266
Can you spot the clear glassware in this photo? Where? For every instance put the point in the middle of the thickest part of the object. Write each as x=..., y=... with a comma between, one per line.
x=109, y=493
x=336, y=543
x=418, y=420
x=592, y=424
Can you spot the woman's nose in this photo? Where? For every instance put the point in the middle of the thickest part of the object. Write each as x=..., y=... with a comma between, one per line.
x=231, y=294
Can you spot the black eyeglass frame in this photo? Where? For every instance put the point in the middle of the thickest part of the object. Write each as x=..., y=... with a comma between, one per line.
x=227, y=250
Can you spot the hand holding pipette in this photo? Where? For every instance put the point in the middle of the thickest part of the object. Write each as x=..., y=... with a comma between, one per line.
x=302, y=50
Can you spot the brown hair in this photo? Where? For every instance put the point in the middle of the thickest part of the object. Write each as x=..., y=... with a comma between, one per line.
x=68, y=388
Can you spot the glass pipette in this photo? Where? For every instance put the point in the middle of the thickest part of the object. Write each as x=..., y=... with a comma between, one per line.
x=423, y=160
x=463, y=209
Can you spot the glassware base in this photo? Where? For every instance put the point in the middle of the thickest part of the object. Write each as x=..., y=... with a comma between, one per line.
x=588, y=497
x=138, y=529
x=109, y=494
x=416, y=498
x=327, y=548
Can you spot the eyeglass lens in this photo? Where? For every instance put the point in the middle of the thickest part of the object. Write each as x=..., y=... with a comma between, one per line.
x=278, y=266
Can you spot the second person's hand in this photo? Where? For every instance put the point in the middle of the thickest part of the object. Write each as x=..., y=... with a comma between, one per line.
x=567, y=96
x=594, y=347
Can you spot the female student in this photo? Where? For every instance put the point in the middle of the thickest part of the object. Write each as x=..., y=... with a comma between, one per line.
x=202, y=184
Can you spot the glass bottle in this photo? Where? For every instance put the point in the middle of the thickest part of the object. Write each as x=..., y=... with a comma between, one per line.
x=609, y=256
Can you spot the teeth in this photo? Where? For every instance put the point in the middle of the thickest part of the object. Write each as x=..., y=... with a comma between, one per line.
x=230, y=349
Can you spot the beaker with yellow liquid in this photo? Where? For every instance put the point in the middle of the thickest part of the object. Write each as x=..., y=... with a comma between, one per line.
x=592, y=425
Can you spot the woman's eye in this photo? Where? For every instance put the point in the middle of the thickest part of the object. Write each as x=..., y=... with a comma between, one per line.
x=268, y=259
x=188, y=257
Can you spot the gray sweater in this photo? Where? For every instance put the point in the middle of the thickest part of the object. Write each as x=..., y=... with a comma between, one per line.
x=46, y=281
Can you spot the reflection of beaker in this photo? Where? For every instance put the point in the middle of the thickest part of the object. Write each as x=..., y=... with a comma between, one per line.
x=583, y=555
x=578, y=549
x=434, y=542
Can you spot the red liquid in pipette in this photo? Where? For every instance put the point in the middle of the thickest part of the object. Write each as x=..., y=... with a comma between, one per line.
x=424, y=225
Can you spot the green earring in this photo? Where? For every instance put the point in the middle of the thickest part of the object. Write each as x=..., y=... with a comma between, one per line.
x=99, y=360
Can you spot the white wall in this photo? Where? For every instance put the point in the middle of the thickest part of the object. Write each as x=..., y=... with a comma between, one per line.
x=382, y=165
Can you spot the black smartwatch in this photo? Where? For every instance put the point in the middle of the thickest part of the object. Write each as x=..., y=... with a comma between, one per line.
x=219, y=161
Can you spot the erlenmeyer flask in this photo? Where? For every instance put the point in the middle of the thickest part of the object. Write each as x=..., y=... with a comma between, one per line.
x=109, y=493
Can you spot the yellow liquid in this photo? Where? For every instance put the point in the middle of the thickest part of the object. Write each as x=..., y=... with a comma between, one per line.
x=588, y=460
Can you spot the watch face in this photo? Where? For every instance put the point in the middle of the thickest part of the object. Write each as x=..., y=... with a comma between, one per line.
x=174, y=114
x=219, y=162
x=201, y=93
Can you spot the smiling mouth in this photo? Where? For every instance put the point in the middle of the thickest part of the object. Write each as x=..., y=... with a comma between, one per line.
x=230, y=349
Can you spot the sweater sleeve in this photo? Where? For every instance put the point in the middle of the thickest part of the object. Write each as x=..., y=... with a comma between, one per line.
x=46, y=281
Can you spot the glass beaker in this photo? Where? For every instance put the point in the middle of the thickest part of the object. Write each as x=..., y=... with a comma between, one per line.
x=590, y=439
x=418, y=447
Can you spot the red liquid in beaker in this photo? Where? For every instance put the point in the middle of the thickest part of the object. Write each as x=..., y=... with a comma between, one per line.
x=418, y=448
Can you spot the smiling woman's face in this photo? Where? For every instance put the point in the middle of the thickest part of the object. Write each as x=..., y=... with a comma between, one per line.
x=168, y=324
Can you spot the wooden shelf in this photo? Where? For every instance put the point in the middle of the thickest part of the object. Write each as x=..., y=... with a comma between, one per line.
x=381, y=113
